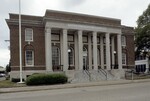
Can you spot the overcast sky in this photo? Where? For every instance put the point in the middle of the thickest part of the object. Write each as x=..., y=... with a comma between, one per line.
x=126, y=10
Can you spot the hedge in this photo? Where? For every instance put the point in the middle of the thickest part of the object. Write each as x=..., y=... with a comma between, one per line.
x=46, y=79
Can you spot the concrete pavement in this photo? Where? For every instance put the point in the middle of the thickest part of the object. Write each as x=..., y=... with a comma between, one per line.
x=64, y=86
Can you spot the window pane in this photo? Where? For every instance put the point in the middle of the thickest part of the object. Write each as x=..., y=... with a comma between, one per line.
x=123, y=40
x=28, y=34
x=71, y=57
x=29, y=57
x=124, y=58
x=55, y=56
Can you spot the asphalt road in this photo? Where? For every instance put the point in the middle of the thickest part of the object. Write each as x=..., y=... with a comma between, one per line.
x=124, y=92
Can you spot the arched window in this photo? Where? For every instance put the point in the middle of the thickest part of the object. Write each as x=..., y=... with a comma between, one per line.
x=29, y=57
x=71, y=56
x=55, y=56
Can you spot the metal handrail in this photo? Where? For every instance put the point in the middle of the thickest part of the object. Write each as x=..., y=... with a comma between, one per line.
x=103, y=71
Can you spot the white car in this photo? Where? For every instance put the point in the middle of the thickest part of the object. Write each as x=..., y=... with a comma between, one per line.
x=2, y=75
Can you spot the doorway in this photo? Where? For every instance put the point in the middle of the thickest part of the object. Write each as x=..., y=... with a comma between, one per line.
x=85, y=59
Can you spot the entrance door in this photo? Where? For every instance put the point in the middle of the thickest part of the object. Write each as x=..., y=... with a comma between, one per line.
x=85, y=59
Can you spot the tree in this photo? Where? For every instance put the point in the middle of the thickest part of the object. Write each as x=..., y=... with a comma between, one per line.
x=8, y=68
x=143, y=33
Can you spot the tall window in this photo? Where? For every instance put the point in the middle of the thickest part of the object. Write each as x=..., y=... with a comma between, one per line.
x=55, y=56
x=71, y=56
x=98, y=56
x=28, y=34
x=104, y=54
x=124, y=58
x=85, y=58
x=29, y=57
x=123, y=40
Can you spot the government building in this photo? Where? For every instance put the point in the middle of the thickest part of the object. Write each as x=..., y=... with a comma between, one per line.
x=78, y=45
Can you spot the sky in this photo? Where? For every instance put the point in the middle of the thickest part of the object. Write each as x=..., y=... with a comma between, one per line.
x=126, y=10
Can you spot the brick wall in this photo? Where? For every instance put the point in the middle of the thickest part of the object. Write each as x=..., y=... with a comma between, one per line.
x=38, y=45
x=128, y=32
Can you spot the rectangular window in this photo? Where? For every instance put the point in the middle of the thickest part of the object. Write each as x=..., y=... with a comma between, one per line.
x=123, y=40
x=70, y=38
x=28, y=34
x=55, y=37
x=124, y=58
x=29, y=58
x=85, y=39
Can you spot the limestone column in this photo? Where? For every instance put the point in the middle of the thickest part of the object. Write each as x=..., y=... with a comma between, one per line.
x=80, y=47
x=112, y=50
x=76, y=51
x=89, y=51
x=119, y=51
x=95, y=50
x=48, y=49
x=107, y=51
x=102, y=51
x=65, y=50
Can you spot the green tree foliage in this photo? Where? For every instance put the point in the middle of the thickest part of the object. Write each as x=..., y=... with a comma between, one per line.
x=143, y=32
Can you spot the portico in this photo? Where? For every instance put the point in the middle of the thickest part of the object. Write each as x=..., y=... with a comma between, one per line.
x=97, y=40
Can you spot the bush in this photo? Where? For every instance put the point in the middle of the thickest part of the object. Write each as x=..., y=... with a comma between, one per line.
x=16, y=79
x=46, y=79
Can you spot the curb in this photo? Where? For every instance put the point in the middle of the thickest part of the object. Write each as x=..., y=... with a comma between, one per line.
x=65, y=86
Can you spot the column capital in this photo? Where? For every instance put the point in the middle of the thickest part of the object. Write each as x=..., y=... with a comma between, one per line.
x=64, y=31
x=94, y=33
x=107, y=33
x=47, y=29
x=79, y=31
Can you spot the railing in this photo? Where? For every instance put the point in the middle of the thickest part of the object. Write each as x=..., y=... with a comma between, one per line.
x=133, y=74
x=103, y=72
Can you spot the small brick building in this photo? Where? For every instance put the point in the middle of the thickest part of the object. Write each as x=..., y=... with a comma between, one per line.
x=64, y=41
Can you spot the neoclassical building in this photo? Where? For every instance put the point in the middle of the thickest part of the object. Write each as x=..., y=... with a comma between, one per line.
x=65, y=41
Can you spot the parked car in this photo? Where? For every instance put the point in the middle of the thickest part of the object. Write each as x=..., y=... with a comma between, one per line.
x=2, y=75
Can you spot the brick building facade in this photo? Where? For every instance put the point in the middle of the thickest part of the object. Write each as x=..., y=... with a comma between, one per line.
x=63, y=41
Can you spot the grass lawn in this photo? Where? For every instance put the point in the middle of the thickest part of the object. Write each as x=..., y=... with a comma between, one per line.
x=9, y=84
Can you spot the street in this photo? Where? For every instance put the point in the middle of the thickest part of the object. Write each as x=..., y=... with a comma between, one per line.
x=124, y=92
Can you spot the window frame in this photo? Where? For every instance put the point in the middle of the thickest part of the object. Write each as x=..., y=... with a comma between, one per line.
x=54, y=54
x=124, y=58
x=27, y=33
x=26, y=64
x=71, y=57
x=123, y=40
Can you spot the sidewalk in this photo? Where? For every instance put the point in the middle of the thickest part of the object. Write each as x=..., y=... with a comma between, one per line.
x=65, y=86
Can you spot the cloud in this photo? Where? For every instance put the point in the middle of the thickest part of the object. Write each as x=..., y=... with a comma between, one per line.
x=71, y=3
x=126, y=10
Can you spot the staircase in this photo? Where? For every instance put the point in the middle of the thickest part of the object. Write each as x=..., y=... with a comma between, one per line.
x=92, y=76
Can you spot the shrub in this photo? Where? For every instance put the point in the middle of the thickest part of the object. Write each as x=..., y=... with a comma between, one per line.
x=46, y=79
